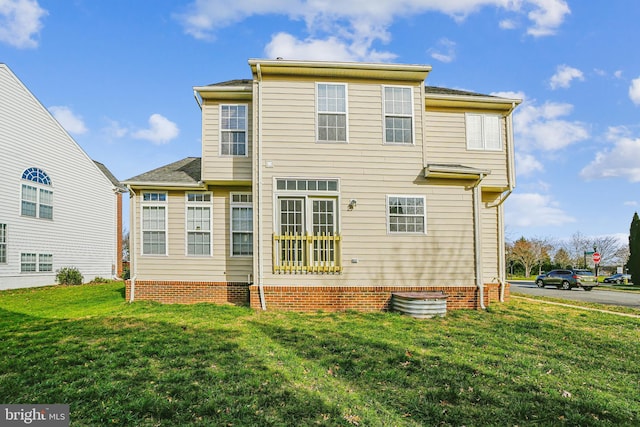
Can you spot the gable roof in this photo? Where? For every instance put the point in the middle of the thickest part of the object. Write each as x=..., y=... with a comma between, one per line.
x=446, y=91
x=109, y=175
x=186, y=172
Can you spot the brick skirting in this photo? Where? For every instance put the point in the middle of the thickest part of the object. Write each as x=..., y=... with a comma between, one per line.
x=303, y=298
x=174, y=292
x=370, y=298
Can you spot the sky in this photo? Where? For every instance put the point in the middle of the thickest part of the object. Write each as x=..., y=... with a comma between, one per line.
x=119, y=76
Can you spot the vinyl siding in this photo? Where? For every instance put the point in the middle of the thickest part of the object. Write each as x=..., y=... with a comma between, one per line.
x=82, y=233
x=368, y=171
x=177, y=265
x=445, y=135
x=214, y=166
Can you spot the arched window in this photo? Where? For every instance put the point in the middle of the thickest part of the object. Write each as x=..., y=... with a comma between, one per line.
x=37, y=196
x=36, y=175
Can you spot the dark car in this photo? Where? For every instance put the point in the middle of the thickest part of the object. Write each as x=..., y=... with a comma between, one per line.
x=568, y=279
x=617, y=278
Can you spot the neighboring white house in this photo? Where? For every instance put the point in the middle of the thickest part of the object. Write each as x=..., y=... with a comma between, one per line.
x=58, y=208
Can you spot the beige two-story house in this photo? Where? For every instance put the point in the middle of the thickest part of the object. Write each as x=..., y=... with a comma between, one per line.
x=327, y=185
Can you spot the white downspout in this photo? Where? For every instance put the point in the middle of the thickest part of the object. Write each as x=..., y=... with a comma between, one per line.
x=132, y=241
x=478, y=242
x=263, y=302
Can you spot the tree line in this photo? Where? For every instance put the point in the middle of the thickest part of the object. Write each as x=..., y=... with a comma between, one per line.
x=543, y=254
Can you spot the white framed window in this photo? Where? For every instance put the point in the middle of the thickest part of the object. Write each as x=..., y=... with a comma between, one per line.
x=3, y=243
x=45, y=262
x=398, y=114
x=198, y=226
x=483, y=132
x=233, y=130
x=406, y=214
x=36, y=194
x=153, y=221
x=28, y=263
x=241, y=224
x=331, y=107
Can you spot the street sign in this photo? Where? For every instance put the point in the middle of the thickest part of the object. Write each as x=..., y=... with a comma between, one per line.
x=596, y=257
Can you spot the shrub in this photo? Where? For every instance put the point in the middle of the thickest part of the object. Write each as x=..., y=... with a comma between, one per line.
x=69, y=276
x=126, y=274
x=101, y=280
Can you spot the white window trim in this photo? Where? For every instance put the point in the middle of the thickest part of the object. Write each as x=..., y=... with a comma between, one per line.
x=232, y=205
x=484, y=139
x=307, y=195
x=165, y=204
x=346, y=113
x=384, y=117
x=189, y=204
x=406, y=233
x=4, y=242
x=221, y=131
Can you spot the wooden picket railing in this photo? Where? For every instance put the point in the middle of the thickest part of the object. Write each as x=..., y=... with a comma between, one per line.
x=307, y=253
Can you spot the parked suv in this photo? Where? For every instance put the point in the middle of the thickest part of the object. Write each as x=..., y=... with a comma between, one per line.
x=567, y=279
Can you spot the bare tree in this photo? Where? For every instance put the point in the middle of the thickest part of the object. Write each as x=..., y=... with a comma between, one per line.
x=524, y=254
x=607, y=247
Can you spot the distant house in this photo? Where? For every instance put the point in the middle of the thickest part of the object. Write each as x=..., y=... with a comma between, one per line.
x=329, y=186
x=58, y=208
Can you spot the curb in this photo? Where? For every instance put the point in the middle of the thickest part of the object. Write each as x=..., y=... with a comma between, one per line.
x=636, y=316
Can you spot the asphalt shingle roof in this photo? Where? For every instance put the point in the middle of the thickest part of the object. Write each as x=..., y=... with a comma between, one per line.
x=446, y=91
x=185, y=171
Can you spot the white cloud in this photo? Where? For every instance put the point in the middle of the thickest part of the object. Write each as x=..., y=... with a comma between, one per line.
x=564, y=75
x=71, y=122
x=161, y=130
x=526, y=164
x=508, y=24
x=20, y=22
x=617, y=74
x=620, y=161
x=534, y=210
x=630, y=203
x=445, y=51
x=509, y=94
x=286, y=46
x=547, y=16
x=353, y=25
x=541, y=127
x=634, y=91
x=114, y=130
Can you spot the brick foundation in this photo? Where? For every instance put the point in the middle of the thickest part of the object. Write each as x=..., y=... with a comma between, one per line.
x=303, y=298
x=173, y=292
x=373, y=298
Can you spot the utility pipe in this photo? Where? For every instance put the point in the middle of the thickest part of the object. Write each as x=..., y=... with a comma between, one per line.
x=263, y=302
x=132, y=243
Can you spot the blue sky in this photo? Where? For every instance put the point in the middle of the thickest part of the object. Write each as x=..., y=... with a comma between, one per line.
x=119, y=75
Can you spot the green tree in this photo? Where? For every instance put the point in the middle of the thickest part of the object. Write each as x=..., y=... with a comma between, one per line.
x=562, y=259
x=634, y=249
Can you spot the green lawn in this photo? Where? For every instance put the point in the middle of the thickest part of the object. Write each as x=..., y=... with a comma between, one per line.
x=145, y=364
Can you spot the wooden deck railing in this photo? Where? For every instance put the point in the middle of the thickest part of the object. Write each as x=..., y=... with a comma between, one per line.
x=307, y=253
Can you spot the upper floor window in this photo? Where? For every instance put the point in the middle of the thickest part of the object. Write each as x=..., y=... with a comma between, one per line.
x=241, y=224
x=154, y=223
x=36, y=196
x=199, y=224
x=406, y=214
x=233, y=130
x=398, y=115
x=3, y=243
x=332, y=112
x=483, y=132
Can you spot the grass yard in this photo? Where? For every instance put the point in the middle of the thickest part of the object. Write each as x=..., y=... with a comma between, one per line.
x=145, y=364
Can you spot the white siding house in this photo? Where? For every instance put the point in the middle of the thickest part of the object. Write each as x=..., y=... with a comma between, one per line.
x=58, y=208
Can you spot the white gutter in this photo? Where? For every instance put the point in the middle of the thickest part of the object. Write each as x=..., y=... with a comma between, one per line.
x=478, y=242
x=263, y=302
x=132, y=241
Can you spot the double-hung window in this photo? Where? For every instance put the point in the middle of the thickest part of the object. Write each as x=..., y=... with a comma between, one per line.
x=483, y=132
x=32, y=263
x=199, y=224
x=154, y=223
x=241, y=224
x=398, y=114
x=233, y=130
x=406, y=214
x=3, y=243
x=36, y=194
x=332, y=112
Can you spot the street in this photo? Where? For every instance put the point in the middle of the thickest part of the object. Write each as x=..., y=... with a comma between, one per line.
x=600, y=296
